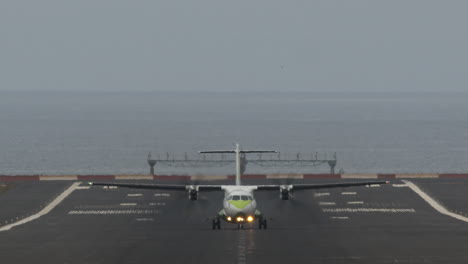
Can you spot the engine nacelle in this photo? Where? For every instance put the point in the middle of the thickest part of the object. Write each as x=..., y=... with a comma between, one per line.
x=193, y=193
x=285, y=192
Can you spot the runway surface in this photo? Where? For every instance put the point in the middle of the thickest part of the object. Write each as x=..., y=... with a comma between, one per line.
x=386, y=224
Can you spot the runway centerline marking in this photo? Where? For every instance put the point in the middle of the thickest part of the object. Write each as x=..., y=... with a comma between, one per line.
x=46, y=210
x=348, y=193
x=241, y=248
x=128, y=204
x=134, y=194
x=433, y=203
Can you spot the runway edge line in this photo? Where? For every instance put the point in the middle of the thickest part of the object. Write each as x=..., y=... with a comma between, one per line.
x=441, y=209
x=46, y=209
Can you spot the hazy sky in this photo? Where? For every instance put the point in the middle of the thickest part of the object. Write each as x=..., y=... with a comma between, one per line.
x=277, y=45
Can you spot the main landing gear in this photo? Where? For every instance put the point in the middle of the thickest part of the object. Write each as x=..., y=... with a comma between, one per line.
x=216, y=223
x=262, y=223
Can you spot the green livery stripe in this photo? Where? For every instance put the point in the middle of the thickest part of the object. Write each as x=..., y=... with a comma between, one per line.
x=240, y=203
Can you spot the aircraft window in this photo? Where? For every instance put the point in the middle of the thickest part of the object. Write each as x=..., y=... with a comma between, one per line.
x=250, y=198
x=229, y=198
x=244, y=197
x=236, y=197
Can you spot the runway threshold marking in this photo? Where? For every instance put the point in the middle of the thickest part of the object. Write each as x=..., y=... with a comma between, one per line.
x=44, y=211
x=433, y=203
x=368, y=210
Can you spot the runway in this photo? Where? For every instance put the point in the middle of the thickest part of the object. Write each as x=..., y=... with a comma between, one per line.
x=378, y=224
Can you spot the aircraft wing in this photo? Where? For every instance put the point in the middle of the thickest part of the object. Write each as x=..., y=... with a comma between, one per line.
x=318, y=186
x=159, y=186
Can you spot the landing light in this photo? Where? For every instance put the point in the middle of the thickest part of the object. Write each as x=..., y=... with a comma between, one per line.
x=240, y=219
x=250, y=219
x=229, y=218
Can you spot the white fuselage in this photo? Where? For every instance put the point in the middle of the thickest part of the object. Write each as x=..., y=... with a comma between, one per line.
x=239, y=202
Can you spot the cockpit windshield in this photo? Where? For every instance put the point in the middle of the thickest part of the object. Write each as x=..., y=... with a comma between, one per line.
x=236, y=197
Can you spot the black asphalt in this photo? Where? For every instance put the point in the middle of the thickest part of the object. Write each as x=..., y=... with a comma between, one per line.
x=175, y=230
x=22, y=199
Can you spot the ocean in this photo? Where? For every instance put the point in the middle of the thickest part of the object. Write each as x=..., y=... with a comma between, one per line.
x=113, y=132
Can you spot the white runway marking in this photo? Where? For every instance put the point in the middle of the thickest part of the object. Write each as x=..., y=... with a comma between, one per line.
x=128, y=204
x=339, y=217
x=399, y=185
x=241, y=248
x=110, y=187
x=158, y=204
x=321, y=194
x=110, y=212
x=46, y=210
x=348, y=193
x=162, y=194
x=368, y=210
x=373, y=186
x=134, y=194
x=433, y=203
x=327, y=203
x=356, y=202
x=144, y=219
x=83, y=187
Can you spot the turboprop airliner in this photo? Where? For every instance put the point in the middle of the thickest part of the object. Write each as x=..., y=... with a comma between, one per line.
x=239, y=204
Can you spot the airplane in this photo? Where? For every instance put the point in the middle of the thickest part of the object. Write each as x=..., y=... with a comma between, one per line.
x=239, y=204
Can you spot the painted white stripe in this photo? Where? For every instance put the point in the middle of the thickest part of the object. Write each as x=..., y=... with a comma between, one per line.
x=339, y=217
x=128, y=204
x=134, y=194
x=433, y=203
x=144, y=219
x=111, y=212
x=158, y=204
x=367, y=210
x=327, y=203
x=162, y=194
x=83, y=187
x=321, y=194
x=46, y=210
x=348, y=193
x=356, y=202
x=399, y=185
x=373, y=185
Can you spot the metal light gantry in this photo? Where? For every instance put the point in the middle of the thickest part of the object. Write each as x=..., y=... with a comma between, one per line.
x=260, y=159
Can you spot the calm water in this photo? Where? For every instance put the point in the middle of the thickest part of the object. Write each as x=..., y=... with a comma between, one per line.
x=84, y=133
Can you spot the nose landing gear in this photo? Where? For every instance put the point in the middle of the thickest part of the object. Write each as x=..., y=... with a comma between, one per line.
x=262, y=223
x=216, y=223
